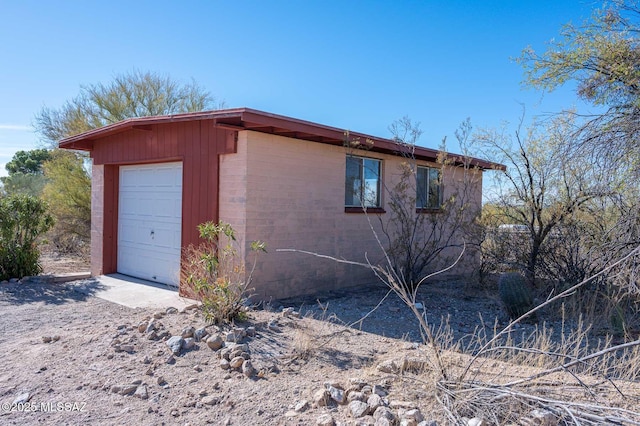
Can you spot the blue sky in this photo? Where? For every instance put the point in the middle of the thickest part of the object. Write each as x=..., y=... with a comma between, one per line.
x=357, y=65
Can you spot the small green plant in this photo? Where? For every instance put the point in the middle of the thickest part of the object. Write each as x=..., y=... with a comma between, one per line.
x=515, y=294
x=23, y=218
x=214, y=272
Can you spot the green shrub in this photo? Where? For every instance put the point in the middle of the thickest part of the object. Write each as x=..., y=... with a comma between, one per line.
x=515, y=294
x=215, y=273
x=22, y=219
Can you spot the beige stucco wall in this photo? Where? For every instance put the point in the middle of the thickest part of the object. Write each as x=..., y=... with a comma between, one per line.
x=289, y=193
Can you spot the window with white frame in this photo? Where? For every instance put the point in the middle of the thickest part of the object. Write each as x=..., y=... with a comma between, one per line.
x=362, y=184
x=429, y=194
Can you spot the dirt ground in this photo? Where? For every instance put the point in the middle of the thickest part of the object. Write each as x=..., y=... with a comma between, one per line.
x=71, y=358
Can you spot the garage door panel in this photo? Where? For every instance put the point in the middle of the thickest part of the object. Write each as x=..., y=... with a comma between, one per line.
x=128, y=206
x=166, y=177
x=164, y=207
x=164, y=237
x=150, y=221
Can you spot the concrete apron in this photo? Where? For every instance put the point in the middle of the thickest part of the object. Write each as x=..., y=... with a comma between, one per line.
x=137, y=293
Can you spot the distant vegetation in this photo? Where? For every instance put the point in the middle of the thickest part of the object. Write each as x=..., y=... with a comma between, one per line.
x=62, y=179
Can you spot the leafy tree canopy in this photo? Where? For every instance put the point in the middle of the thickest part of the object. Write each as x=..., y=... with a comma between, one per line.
x=28, y=162
x=134, y=94
x=25, y=173
x=68, y=192
x=603, y=57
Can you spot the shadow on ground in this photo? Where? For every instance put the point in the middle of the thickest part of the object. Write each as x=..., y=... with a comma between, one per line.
x=37, y=291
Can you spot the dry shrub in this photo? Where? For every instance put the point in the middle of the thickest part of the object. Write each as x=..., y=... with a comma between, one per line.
x=506, y=377
x=311, y=339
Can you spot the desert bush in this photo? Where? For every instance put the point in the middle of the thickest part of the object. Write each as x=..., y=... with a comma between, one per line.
x=23, y=219
x=214, y=272
x=68, y=192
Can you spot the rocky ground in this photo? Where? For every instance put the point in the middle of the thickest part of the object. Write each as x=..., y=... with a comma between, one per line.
x=71, y=358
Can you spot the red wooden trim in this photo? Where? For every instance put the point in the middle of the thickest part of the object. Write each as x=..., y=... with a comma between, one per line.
x=110, y=234
x=147, y=161
x=260, y=121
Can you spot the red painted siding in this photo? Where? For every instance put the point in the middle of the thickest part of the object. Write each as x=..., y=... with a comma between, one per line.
x=196, y=143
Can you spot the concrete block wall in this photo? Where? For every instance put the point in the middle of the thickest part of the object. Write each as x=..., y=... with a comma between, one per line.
x=289, y=193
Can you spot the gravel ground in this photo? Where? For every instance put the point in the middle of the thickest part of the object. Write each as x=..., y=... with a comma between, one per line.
x=63, y=357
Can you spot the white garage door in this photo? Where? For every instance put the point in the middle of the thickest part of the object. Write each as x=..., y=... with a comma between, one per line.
x=149, y=222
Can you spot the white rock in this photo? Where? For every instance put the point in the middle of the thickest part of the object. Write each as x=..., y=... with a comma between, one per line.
x=301, y=406
x=325, y=420
x=141, y=392
x=337, y=395
x=358, y=408
x=374, y=401
x=22, y=398
x=175, y=344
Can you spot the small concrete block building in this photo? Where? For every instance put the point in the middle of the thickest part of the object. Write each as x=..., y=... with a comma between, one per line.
x=291, y=183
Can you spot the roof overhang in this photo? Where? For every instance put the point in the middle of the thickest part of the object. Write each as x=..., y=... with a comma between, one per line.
x=239, y=119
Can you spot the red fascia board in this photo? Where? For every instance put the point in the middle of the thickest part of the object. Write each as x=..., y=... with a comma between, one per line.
x=79, y=141
x=251, y=119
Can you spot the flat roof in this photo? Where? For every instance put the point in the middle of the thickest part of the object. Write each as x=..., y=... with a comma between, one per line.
x=259, y=121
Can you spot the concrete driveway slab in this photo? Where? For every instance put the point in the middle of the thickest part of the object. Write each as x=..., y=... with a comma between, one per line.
x=134, y=292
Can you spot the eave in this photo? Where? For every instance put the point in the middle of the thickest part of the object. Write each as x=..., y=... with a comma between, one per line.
x=240, y=119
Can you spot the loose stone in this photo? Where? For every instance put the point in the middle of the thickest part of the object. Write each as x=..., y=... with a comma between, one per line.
x=321, y=397
x=188, y=332
x=247, y=368
x=337, y=395
x=358, y=408
x=325, y=420
x=215, y=342
x=236, y=362
x=141, y=392
x=175, y=344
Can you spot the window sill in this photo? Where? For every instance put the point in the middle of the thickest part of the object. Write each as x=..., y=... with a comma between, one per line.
x=431, y=210
x=375, y=210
